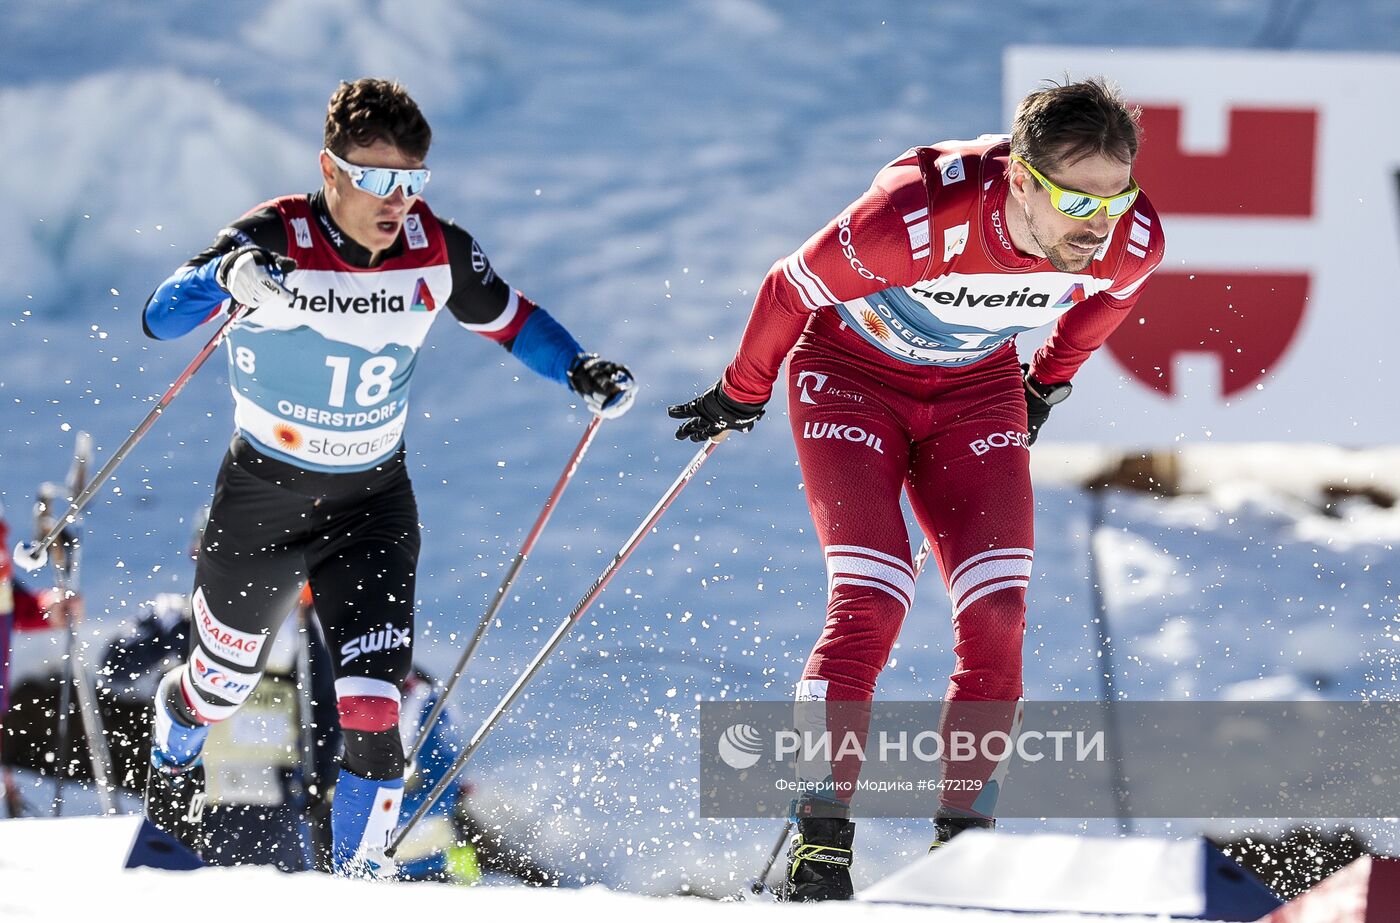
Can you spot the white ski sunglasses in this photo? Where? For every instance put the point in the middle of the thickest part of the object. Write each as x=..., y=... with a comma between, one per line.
x=381, y=181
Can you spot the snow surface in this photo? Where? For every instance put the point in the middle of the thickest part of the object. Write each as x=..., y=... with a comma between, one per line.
x=30, y=883
x=131, y=897
x=636, y=168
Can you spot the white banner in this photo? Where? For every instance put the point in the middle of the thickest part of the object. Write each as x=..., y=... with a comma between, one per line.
x=1274, y=315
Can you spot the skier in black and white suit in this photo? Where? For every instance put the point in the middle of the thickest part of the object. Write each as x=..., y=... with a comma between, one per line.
x=346, y=283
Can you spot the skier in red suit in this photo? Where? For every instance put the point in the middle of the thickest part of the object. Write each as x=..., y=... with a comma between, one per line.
x=23, y=610
x=900, y=317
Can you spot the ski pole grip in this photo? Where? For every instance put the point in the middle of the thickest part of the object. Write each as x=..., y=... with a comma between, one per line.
x=30, y=557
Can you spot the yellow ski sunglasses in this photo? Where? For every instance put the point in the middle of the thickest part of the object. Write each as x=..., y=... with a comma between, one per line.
x=1081, y=206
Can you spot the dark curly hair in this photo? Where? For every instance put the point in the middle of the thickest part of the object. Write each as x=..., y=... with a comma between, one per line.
x=371, y=110
x=1064, y=123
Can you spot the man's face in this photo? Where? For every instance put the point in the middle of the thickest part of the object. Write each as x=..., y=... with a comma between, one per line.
x=372, y=222
x=1068, y=243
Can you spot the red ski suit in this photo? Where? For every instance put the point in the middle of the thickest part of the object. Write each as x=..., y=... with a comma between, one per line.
x=20, y=610
x=903, y=313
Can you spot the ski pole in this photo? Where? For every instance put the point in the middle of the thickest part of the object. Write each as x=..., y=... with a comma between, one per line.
x=63, y=561
x=1107, y=672
x=758, y=884
x=534, y=666
x=76, y=677
x=95, y=734
x=761, y=882
x=306, y=738
x=33, y=557
x=515, y=565
x=65, y=570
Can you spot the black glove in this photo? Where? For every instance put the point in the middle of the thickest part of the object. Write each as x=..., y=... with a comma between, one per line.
x=608, y=388
x=1039, y=399
x=712, y=413
x=253, y=276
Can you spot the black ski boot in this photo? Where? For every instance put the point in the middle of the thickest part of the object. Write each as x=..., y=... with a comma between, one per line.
x=175, y=802
x=819, y=861
x=947, y=826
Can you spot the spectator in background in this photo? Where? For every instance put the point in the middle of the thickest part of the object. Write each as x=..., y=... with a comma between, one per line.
x=22, y=609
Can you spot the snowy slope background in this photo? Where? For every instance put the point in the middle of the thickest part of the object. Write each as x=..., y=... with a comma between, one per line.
x=635, y=167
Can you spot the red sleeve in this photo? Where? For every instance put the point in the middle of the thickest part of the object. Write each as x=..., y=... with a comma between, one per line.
x=864, y=250
x=30, y=609
x=1086, y=326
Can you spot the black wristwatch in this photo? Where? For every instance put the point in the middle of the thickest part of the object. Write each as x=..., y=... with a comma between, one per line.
x=1050, y=394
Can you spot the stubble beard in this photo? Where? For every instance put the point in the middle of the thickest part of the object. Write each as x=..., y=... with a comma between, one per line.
x=1060, y=256
x=1063, y=263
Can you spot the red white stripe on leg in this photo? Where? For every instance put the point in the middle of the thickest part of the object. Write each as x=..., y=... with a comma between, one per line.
x=988, y=572
x=367, y=704
x=859, y=566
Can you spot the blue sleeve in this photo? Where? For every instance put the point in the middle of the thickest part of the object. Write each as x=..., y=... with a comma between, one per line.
x=545, y=346
x=443, y=745
x=183, y=301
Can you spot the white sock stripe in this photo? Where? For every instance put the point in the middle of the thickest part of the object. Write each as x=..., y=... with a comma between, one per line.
x=841, y=565
x=801, y=291
x=889, y=589
x=987, y=590
x=363, y=685
x=871, y=553
x=821, y=286
x=994, y=569
x=995, y=552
